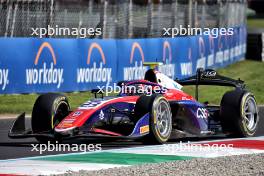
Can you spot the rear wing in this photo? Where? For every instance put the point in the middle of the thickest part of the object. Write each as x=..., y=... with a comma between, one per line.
x=210, y=77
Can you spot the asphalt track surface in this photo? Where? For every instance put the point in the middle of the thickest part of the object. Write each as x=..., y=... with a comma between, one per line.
x=19, y=148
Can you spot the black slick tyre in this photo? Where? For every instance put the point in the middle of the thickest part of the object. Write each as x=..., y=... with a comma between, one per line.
x=49, y=109
x=239, y=113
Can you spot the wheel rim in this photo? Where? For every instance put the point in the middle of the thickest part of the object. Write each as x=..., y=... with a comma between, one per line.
x=163, y=116
x=250, y=114
x=61, y=112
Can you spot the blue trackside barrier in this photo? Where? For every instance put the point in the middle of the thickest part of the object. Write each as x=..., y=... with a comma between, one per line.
x=33, y=65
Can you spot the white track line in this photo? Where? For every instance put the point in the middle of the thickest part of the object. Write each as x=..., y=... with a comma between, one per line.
x=30, y=167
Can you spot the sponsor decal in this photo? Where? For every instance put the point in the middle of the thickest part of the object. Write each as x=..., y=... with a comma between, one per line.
x=209, y=74
x=48, y=73
x=68, y=121
x=226, y=51
x=91, y=104
x=202, y=113
x=202, y=60
x=95, y=103
x=77, y=113
x=219, y=59
x=138, y=70
x=238, y=48
x=134, y=46
x=186, y=98
x=186, y=67
x=96, y=73
x=232, y=49
x=4, y=81
x=66, y=124
x=144, y=129
x=243, y=38
x=101, y=115
x=211, y=56
x=168, y=68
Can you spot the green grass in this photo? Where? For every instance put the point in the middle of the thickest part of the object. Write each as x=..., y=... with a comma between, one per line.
x=252, y=72
x=13, y=104
x=259, y=23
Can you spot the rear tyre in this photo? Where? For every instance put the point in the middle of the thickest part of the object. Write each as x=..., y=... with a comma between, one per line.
x=160, y=118
x=48, y=111
x=239, y=113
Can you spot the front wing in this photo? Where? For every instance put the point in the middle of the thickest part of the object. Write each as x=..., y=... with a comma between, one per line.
x=18, y=130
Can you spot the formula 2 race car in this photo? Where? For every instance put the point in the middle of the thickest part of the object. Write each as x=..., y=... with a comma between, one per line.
x=151, y=110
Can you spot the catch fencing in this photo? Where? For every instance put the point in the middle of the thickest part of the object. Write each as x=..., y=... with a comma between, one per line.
x=118, y=18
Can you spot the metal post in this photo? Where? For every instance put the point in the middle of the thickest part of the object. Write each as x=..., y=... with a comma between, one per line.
x=159, y=18
x=149, y=19
x=176, y=20
x=116, y=10
x=130, y=24
x=126, y=27
x=195, y=22
x=14, y=21
x=190, y=13
x=219, y=19
x=51, y=11
x=173, y=14
x=65, y=17
x=80, y=23
x=7, y=18
x=51, y=15
x=90, y=8
x=203, y=25
x=105, y=19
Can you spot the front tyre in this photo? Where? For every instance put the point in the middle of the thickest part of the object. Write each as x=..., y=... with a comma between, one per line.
x=160, y=117
x=48, y=111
